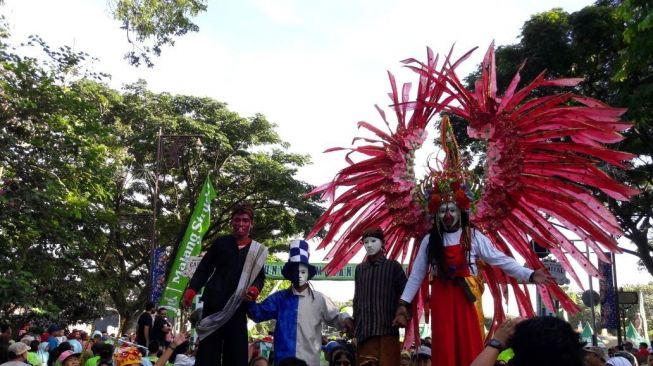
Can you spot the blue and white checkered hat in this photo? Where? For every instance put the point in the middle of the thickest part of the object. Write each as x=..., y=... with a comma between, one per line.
x=299, y=254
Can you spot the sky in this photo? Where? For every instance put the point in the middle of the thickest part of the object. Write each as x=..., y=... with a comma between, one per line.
x=315, y=68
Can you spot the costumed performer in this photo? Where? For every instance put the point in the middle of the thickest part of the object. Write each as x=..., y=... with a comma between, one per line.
x=232, y=264
x=379, y=282
x=450, y=252
x=299, y=311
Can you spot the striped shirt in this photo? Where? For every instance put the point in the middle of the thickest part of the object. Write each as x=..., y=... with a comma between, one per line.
x=378, y=286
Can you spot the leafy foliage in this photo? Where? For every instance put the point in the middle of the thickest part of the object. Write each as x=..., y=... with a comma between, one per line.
x=78, y=162
x=604, y=44
x=153, y=24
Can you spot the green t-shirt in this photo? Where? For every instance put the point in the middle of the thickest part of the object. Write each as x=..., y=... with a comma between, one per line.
x=33, y=359
x=92, y=361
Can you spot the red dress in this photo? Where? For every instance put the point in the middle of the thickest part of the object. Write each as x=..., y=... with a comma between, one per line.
x=455, y=333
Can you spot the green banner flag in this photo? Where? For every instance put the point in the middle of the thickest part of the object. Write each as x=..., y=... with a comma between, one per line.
x=273, y=272
x=190, y=246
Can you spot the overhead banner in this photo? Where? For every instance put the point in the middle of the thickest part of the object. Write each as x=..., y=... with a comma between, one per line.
x=190, y=247
x=609, y=306
x=273, y=272
x=159, y=263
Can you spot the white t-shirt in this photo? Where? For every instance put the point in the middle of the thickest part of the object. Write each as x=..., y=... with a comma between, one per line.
x=481, y=248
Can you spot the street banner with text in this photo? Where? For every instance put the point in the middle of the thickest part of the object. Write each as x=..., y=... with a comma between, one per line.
x=190, y=246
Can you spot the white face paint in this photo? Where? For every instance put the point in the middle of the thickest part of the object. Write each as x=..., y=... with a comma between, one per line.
x=372, y=245
x=449, y=215
x=302, y=272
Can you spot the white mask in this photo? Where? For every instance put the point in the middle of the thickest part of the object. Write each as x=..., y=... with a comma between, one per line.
x=449, y=215
x=302, y=274
x=372, y=245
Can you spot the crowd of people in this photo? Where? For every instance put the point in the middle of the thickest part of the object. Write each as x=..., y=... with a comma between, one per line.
x=59, y=346
x=521, y=342
x=230, y=277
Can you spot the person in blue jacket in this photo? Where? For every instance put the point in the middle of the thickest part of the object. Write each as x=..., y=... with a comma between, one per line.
x=299, y=311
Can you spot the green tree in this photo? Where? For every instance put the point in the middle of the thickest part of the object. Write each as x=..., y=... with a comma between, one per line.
x=595, y=43
x=153, y=24
x=78, y=162
x=52, y=161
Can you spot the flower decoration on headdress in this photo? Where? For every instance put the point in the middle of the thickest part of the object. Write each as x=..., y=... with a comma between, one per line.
x=448, y=183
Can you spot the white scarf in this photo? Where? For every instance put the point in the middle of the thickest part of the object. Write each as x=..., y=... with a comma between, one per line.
x=254, y=262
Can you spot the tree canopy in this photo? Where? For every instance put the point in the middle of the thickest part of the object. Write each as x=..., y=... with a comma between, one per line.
x=153, y=24
x=77, y=168
x=599, y=43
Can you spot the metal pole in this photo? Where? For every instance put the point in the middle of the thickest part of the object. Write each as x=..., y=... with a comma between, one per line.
x=616, y=296
x=155, y=199
x=595, y=341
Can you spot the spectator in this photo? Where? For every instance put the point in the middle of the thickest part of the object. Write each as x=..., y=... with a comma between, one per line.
x=105, y=351
x=423, y=356
x=17, y=354
x=95, y=357
x=73, y=339
x=594, y=356
x=628, y=356
x=540, y=341
x=43, y=352
x=161, y=327
x=329, y=348
x=642, y=353
x=69, y=358
x=83, y=338
x=5, y=337
x=144, y=324
x=153, y=349
x=5, y=332
x=289, y=361
x=184, y=355
x=54, y=332
x=259, y=361
x=342, y=357
x=618, y=361
x=33, y=353
x=54, y=355
x=405, y=358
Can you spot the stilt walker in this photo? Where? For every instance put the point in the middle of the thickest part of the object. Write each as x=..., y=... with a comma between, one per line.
x=541, y=169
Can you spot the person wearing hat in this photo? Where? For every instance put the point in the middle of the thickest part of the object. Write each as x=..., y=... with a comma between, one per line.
x=299, y=311
x=233, y=264
x=32, y=355
x=69, y=358
x=594, y=356
x=423, y=356
x=618, y=361
x=17, y=355
x=378, y=284
x=54, y=331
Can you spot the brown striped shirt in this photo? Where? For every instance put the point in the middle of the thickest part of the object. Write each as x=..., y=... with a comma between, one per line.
x=378, y=286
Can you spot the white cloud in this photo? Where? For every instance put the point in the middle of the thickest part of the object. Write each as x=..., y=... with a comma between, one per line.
x=278, y=11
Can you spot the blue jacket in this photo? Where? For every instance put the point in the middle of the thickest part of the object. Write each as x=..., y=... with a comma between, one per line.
x=299, y=316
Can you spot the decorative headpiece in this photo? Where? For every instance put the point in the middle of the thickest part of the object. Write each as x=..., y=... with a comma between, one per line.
x=449, y=183
x=544, y=155
x=299, y=254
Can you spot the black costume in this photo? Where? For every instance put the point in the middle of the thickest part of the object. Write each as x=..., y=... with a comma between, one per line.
x=219, y=272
